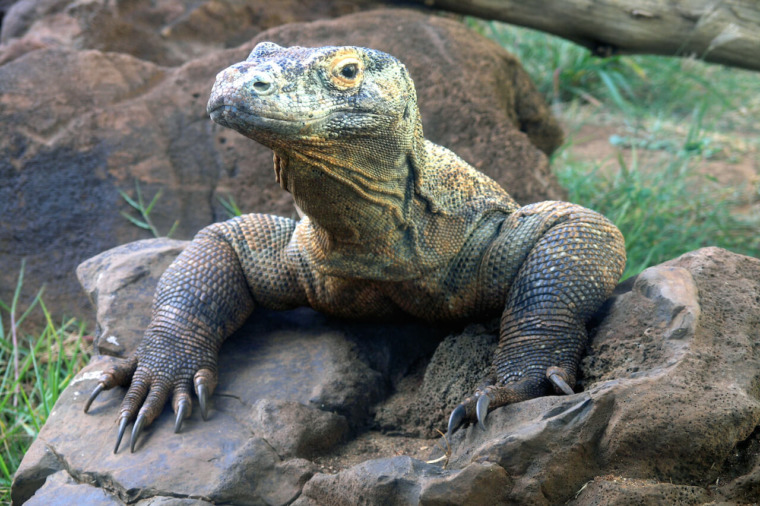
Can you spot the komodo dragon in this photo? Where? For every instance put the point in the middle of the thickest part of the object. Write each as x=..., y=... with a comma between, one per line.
x=393, y=224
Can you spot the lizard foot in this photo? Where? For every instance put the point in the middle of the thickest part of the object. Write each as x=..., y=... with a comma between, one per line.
x=473, y=408
x=150, y=386
x=151, y=396
x=477, y=406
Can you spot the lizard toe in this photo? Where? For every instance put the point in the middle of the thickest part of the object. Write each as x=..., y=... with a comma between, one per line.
x=183, y=406
x=136, y=430
x=183, y=411
x=472, y=409
x=151, y=408
x=118, y=374
x=96, y=391
x=205, y=383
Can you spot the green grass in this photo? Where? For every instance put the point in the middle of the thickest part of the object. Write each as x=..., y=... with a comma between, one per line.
x=662, y=211
x=688, y=112
x=37, y=367
x=138, y=205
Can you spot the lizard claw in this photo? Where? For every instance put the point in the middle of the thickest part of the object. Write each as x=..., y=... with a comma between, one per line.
x=202, y=392
x=456, y=419
x=116, y=374
x=481, y=410
x=136, y=430
x=559, y=379
x=101, y=386
x=123, y=421
x=205, y=382
x=183, y=411
x=464, y=412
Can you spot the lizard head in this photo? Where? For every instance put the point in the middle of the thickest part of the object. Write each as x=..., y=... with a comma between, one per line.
x=345, y=128
x=286, y=97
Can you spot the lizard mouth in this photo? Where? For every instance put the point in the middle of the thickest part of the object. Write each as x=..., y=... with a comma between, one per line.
x=230, y=115
x=247, y=121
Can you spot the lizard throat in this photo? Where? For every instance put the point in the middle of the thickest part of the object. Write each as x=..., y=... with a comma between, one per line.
x=351, y=205
x=357, y=224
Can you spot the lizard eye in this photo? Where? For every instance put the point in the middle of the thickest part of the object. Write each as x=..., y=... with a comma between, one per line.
x=346, y=72
x=349, y=71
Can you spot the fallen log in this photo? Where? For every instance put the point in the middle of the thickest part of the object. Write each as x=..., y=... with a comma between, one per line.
x=726, y=32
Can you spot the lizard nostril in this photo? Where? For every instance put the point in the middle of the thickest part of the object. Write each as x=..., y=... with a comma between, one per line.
x=262, y=83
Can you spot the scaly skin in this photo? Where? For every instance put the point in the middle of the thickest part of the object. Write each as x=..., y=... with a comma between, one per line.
x=393, y=224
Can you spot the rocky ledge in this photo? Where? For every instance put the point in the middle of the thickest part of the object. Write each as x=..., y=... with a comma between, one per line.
x=311, y=410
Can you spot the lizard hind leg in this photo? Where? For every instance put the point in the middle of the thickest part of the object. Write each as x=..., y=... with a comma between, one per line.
x=572, y=259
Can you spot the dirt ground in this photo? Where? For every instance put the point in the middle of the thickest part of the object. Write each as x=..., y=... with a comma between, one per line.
x=732, y=160
x=376, y=445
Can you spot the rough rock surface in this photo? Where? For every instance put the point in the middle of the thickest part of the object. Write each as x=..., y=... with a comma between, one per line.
x=167, y=32
x=107, y=120
x=292, y=384
x=668, y=411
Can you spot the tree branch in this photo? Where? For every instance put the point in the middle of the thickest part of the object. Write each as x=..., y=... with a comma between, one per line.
x=726, y=31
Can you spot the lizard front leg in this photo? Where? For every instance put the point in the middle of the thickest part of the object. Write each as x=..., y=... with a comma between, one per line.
x=566, y=260
x=202, y=298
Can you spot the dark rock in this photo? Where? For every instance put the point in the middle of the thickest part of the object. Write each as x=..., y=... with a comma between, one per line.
x=666, y=397
x=667, y=413
x=406, y=481
x=257, y=475
x=295, y=430
x=124, y=298
x=294, y=357
x=171, y=501
x=395, y=480
x=61, y=489
x=459, y=365
x=68, y=145
x=29, y=479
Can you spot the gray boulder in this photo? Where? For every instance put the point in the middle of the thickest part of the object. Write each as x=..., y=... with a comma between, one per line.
x=313, y=411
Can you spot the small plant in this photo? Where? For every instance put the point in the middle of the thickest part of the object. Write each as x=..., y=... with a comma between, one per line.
x=230, y=206
x=139, y=205
x=445, y=448
x=37, y=367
